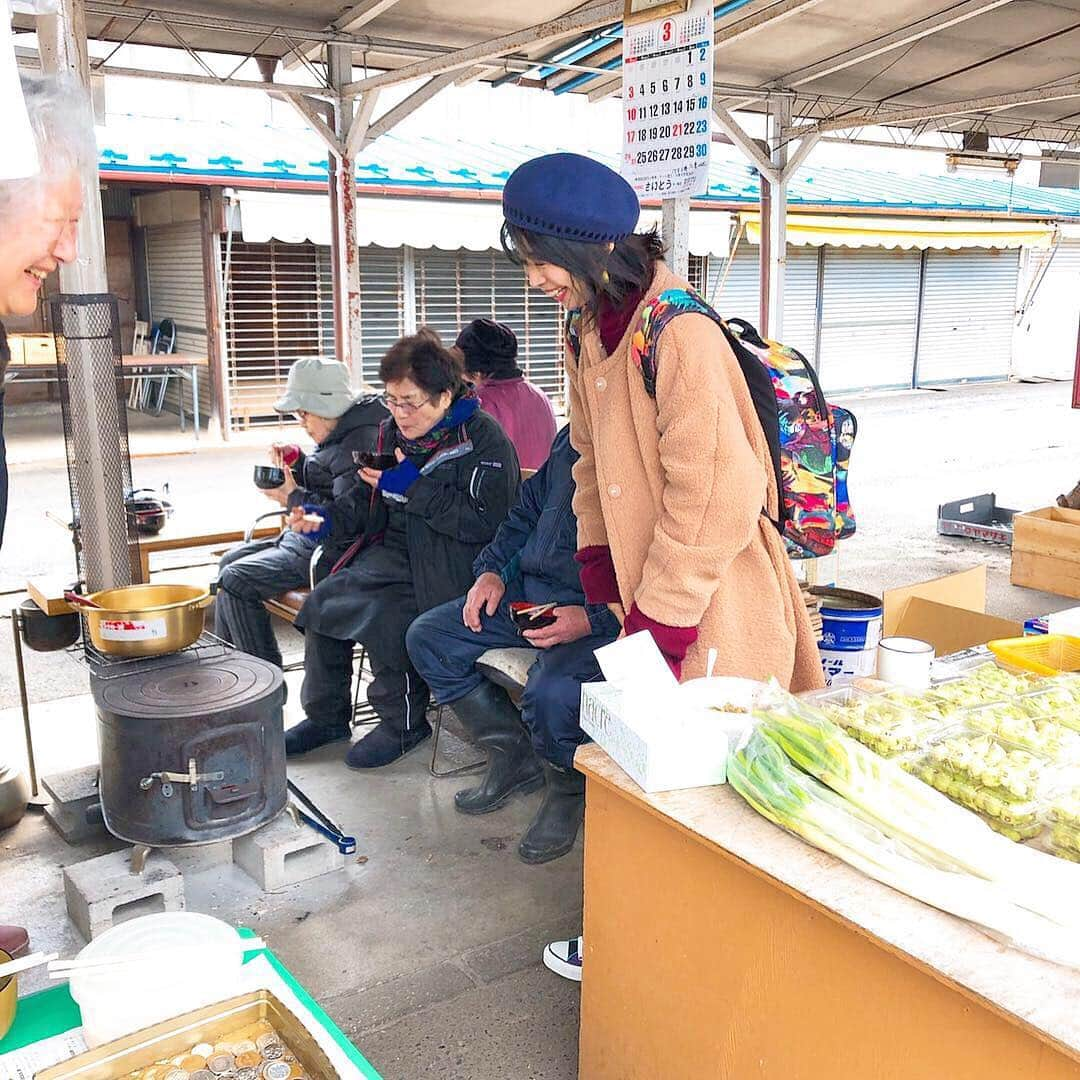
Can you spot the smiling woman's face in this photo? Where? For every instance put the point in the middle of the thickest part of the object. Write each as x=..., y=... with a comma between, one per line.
x=554, y=282
x=36, y=241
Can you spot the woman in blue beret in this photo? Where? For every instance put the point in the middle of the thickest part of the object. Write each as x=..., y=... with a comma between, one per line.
x=676, y=492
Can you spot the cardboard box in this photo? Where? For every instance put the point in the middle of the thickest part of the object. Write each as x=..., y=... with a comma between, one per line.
x=38, y=349
x=1046, y=551
x=948, y=612
x=15, y=346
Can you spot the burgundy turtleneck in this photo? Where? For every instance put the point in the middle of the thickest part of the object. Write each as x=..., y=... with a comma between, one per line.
x=612, y=321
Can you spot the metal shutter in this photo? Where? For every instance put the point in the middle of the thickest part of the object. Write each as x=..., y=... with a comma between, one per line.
x=739, y=296
x=1045, y=341
x=454, y=287
x=969, y=304
x=278, y=307
x=174, y=271
x=382, y=307
x=177, y=292
x=869, y=304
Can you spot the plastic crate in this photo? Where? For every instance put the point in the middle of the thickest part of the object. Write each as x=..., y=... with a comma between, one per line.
x=1046, y=654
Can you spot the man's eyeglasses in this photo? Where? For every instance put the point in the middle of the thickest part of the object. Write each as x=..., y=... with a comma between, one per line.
x=403, y=404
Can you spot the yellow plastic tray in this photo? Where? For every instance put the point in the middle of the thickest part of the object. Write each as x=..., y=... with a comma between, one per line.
x=1045, y=654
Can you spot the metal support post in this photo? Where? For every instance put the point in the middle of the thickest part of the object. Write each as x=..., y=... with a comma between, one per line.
x=675, y=229
x=409, y=289
x=779, y=121
x=37, y=799
x=343, y=208
x=62, y=42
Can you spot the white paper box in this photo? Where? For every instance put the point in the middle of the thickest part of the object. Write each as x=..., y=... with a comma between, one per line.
x=661, y=753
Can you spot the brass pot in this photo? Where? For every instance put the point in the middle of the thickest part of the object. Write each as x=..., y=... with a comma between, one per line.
x=146, y=620
x=9, y=997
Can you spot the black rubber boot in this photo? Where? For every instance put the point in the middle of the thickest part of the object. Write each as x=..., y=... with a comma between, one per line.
x=308, y=735
x=555, y=827
x=490, y=718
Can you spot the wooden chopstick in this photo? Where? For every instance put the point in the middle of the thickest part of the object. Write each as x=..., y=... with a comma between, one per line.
x=60, y=969
x=13, y=967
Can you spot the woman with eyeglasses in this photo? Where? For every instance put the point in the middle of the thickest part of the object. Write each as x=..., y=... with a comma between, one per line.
x=416, y=525
x=340, y=423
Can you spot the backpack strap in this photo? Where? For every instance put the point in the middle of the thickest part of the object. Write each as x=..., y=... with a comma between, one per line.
x=572, y=332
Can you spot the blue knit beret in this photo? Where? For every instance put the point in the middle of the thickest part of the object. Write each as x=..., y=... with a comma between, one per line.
x=572, y=197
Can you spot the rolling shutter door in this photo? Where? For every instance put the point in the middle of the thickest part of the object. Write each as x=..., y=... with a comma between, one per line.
x=382, y=307
x=738, y=297
x=455, y=287
x=870, y=300
x=174, y=273
x=1044, y=345
x=279, y=306
x=969, y=304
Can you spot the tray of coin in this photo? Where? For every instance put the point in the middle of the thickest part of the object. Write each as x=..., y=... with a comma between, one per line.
x=250, y=1037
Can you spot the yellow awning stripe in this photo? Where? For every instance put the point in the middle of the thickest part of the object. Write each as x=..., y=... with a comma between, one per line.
x=817, y=230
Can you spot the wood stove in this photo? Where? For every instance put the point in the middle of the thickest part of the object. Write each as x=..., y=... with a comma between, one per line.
x=192, y=744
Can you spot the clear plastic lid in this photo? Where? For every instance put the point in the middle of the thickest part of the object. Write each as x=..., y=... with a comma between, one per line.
x=988, y=801
x=884, y=726
x=1017, y=727
x=990, y=763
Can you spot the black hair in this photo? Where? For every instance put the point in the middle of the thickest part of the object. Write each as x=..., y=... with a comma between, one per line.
x=598, y=272
x=424, y=359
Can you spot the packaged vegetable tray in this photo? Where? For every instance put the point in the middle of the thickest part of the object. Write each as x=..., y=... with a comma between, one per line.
x=887, y=728
x=1019, y=727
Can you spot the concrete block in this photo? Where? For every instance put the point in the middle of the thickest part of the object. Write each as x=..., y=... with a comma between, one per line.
x=103, y=892
x=75, y=785
x=77, y=823
x=281, y=854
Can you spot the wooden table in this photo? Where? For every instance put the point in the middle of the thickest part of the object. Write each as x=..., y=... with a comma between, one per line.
x=184, y=365
x=718, y=947
x=175, y=537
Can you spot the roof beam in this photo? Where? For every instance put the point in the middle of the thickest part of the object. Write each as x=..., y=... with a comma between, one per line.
x=734, y=131
x=408, y=106
x=309, y=108
x=999, y=102
x=588, y=18
x=352, y=20
x=285, y=89
x=361, y=121
x=916, y=31
x=730, y=32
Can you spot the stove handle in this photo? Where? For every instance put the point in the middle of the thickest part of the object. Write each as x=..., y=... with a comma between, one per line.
x=232, y=793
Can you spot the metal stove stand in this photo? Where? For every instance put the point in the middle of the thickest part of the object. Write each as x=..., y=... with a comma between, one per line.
x=102, y=666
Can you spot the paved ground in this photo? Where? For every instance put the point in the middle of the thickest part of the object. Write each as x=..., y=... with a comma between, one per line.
x=426, y=949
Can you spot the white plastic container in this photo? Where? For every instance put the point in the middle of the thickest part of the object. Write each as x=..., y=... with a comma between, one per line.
x=905, y=662
x=118, y=1000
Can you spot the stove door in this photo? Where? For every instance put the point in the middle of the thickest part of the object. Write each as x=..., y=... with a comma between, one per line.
x=237, y=751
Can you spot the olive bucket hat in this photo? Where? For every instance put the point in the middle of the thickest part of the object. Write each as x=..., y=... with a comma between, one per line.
x=317, y=386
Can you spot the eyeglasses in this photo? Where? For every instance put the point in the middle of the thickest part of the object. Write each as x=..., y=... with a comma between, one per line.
x=300, y=415
x=401, y=405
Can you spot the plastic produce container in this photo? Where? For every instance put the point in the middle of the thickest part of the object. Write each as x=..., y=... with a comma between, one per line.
x=117, y=1000
x=1017, y=726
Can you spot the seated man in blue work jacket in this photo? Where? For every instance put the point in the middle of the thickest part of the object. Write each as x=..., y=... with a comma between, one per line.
x=531, y=558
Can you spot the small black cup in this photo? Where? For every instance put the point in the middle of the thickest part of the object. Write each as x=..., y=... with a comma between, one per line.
x=367, y=459
x=269, y=476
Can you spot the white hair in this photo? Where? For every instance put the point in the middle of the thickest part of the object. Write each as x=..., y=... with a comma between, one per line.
x=63, y=125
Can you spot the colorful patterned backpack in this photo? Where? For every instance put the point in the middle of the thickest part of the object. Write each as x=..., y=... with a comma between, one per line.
x=809, y=440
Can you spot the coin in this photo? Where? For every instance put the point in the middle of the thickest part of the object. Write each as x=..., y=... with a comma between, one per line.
x=272, y=1051
x=203, y=1050
x=244, y=1047
x=263, y=1041
x=251, y=1072
x=248, y=1058
x=193, y=1062
x=277, y=1070
x=221, y=1063
x=202, y=1074
x=176, y=1074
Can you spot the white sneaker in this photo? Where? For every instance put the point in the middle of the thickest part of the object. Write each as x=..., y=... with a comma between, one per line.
x=564, y=958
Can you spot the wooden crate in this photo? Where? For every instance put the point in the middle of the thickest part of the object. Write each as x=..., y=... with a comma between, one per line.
x=1046, y=551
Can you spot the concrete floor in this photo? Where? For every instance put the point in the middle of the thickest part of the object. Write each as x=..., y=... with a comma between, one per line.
x=426, y=949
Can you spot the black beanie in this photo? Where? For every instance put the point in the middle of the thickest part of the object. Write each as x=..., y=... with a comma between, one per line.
x=490, y=348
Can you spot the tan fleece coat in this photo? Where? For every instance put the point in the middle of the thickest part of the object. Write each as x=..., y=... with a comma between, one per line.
x=676, y=487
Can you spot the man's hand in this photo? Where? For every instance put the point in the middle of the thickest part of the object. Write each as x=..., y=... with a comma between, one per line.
x=300, y=522
x=485, y=595
x=571, y=623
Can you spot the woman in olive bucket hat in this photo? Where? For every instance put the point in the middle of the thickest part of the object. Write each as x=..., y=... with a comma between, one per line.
x=675, y=486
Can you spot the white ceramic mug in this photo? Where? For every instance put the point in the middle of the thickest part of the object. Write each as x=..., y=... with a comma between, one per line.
x=905, y=662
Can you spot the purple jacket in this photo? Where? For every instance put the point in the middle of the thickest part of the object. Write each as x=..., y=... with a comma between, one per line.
x=525, y=414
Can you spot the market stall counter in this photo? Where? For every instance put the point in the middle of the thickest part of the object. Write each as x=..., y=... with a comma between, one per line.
x=717, y=945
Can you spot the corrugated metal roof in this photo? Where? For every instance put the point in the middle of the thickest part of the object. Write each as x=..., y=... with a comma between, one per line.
x=223, y=153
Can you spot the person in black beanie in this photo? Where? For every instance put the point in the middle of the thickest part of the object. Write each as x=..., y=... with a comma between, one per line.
x=523, y=410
